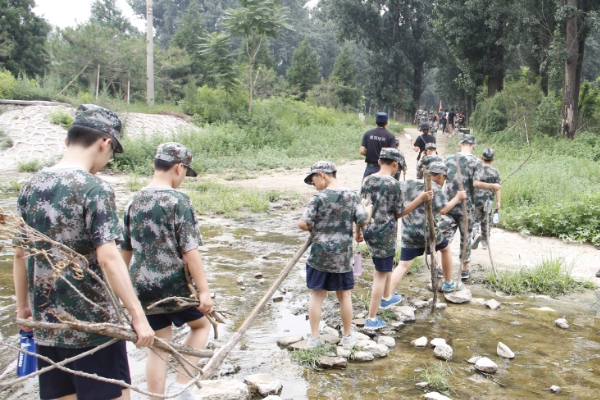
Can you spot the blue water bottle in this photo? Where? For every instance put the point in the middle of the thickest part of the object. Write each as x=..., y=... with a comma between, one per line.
x=27, y=363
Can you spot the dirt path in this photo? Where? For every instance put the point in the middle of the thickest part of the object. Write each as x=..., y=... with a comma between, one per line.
x=510, y=250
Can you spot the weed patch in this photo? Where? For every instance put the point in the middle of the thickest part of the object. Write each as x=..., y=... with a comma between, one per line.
x=310, y=357
x=30, y=165
x=230, y=201
x=62, y=118
x=11, y=186
x=437, y=377
x=5, y=141
x=134, y=182
x=388, y=315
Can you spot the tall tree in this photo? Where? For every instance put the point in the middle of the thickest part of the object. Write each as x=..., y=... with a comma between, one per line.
x=220, y=61
x=304, y=72
x=344, y=73
x=570, y=98
x=190, y=35
x=22, y=38
x=107, y=13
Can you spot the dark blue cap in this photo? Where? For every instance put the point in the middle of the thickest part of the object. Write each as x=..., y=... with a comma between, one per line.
x=381, y=118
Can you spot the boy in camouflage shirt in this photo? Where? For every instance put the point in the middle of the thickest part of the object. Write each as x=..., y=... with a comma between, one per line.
x=329, y=217
x=415, y=230
x=430, y=156
x=72, y=206
x=471, y=169
x=484, y=201
x=161, y=239
x=381, y=234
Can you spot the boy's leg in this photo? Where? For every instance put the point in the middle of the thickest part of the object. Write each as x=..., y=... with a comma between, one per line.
x=156, y=365
x=397, y=276
x=345, y=300
x=467, y=256
x=314, y=310
x=447, y=263
x=197, y=338
x=380, y=280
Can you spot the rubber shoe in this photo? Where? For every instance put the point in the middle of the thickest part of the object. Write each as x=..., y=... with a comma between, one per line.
x=313, y=343
x=349, y=341
x=440, y=273
x=376, y=324
x=484, y=245
x=465, y=274
x=396, y=298
x=476, y=242
x=450, y=286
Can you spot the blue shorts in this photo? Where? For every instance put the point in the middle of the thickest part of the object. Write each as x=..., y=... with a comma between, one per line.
x=411, y=254
x=109, y=362
x=161, y=321
x=384, y=264
x=330, y=281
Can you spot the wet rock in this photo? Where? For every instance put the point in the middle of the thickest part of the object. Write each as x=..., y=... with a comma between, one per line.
x=515, y=323
x=242, y=287
x=223, y=389
x=504, y=351
x=289, y=340
x=486, y=365
x=443, y=352
x=441, y=306
x=562, y=323
x=264, y=384
x=473, y=360
x=333, y=362
x=213, y=295
x=359, y=322
x=386, y=341
x=364, y=343
x=213, y=345
x=360, y=316
x=303, y=345
x=435, y=396
x=555, y=389
x=361, y=336
x=242, y=299
x=229, y=369
x=342, y=352
x=272, y=397
x=437, y=342
x=420, y=303
x=548, y=309
x=327, y=338
x=258, y=275
x=421, y=385
x=492, y=304
x=363, y=356
x=388, y=332
x=420, y=342
x=459, y=297
x=261, y=281
x=397, y=325
x=478, y=300
x=439, y=286
x=330, y=331
x=277, y=298
x=405, y=313
x=378, y=350
x=240, y=280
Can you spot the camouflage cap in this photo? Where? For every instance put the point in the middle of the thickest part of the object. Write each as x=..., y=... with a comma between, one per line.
x=437, y=167
x=488, y=154
x=176, y=153
x=430, y=146
x=321, y=166
x=467, y=139
x=100, y=119
x=391, y=153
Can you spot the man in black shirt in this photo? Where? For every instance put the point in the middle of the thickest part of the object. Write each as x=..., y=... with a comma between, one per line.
x=373, y=141
x=422, y=140
x=451, y=116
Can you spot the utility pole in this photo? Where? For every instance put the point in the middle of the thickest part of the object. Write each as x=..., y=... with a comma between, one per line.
x=150, y=54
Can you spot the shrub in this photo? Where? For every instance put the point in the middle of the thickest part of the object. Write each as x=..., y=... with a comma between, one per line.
x=210, y=106
x=62, y=118
x=547, y=117
x=214, y=198
x=30, y=165
x=7, y=85
x=5, y=141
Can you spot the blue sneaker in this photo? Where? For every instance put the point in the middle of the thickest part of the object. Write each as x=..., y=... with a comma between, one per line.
x=374, y=325
x=396, y=298
x=449, y=286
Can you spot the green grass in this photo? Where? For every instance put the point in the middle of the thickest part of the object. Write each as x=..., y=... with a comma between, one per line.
x=135, y=182
x=388, y=315
x=310, y=357
x=62, y=118
x=5, y=141
x=11, y=186
x=30, y=165
x=437, y=377
x=551, y=277
x=364, y=299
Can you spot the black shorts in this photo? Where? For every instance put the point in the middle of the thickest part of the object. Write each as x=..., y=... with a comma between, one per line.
x=330, y=281
x=161, y=321
x=411, y=254
x=384, y=264
x=109, y=362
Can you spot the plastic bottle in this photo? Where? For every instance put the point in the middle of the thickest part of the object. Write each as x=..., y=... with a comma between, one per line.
x=358, y=263
x=27, y=363
x=496, y=218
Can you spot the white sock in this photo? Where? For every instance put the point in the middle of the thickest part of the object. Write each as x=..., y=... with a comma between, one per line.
x=388, y=298
x=372, y=319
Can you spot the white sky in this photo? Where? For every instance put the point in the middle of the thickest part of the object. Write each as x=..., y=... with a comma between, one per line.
x=63, y=13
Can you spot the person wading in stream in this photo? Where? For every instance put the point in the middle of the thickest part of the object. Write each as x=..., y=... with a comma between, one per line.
x=375, y=140
x=161, y=237
x=70, y=205
x=329, y=216
x=381, y=234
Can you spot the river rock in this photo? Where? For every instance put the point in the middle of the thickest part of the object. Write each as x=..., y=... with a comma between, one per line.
x=213, y=345
x=504, y=351
x=397, y=325
x=242, y=299
x=277, y=298
x=478, y=300
x=229, y=369
x=458, y=297
x=242, y=287
x=555, y=389
x=420, y=342
x=303, y=345
x=360, y=316
x=441, y=306
x=361, y=336
x=473, y=360
x=264, y=384
x=258, y=275
x=363, y=356
x=359, y=321
x=437, y=342
x=261, y=281
x=562, y=323
x=365, y=342
x=486, y=365
x=492, y=304
x=421, y=385
x=240, y=280
x=223, y=389
x=342, y=352
x=378, y=350
x=435, y=396
x=288, y=340
x=386, y=341
x=272, y=397
x=330, y=331
x=443, y=351
x=333, y=362
x=420, y=303
x=327, y=338
x=387, y=332
x=405, y=313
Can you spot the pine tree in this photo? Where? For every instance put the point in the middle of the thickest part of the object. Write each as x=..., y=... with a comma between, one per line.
x=344, y=69
x=107, y=13
x=304, y=71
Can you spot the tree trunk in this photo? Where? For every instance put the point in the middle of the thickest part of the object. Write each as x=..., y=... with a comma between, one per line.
x=250, y=72
x=496, y=80
x=570, y=92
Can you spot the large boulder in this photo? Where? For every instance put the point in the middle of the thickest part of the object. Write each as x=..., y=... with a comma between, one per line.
x=504, y=351
x=405, y=313
x=264, y=384
x=458, y=297
x=486, y=365
x=386, y=341
x=223, y=389
x=333, y=362
x=443, y=351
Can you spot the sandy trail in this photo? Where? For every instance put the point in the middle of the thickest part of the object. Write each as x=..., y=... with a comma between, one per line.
x=510, y=249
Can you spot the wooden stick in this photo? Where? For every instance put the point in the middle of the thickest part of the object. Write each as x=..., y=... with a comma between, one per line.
x=190, y=282
x=432, y=240
x=519, y=167
x=221, y=354
x=73, y=80
x=465, y=219
x=489, y=222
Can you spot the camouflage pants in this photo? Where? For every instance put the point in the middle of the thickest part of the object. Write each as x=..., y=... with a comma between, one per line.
x=450, y=223
x=419, y=172
x=482, y=223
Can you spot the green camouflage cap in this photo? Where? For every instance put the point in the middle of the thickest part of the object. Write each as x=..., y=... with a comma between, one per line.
x=176, y=153
x=100, y=119
x=437, y=167
x=321, y=166
x=391, y=153
x=430, y=146
x=468, y=139
x=488, y=154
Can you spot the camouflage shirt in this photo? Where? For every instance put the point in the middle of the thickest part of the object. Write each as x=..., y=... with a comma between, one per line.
x=330, y=214
x=470, y=169
x=426, y=160
x=414, y=226
x=488, y=174
x=382, y=232
x=159, y=226
x=77, y=209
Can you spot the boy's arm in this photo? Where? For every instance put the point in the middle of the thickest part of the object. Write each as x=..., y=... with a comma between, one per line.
x=196, y=268
x=21, y=286
x=499, y=198
x=460, y=195
x=487, y=186
x=117, y=275
x=303, y=225
x=424, y=196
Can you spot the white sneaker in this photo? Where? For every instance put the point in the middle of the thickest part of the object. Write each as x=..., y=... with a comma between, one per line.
x=349, y=341
x=312, y=343
x=176, y=387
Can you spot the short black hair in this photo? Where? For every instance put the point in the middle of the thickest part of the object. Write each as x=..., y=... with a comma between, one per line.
x=381, y=124
x=162, y=165
x=84, y=136
x=387, y=161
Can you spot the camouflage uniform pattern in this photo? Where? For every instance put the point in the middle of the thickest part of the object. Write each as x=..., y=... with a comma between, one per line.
x=77, y=209
x=488, y=174
x=330, y=214
x=176, y=153
x=382, y=232
x=415, y=229
x=424, y=163
x=321, y=166
x=159, y=226
x=101, y=119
